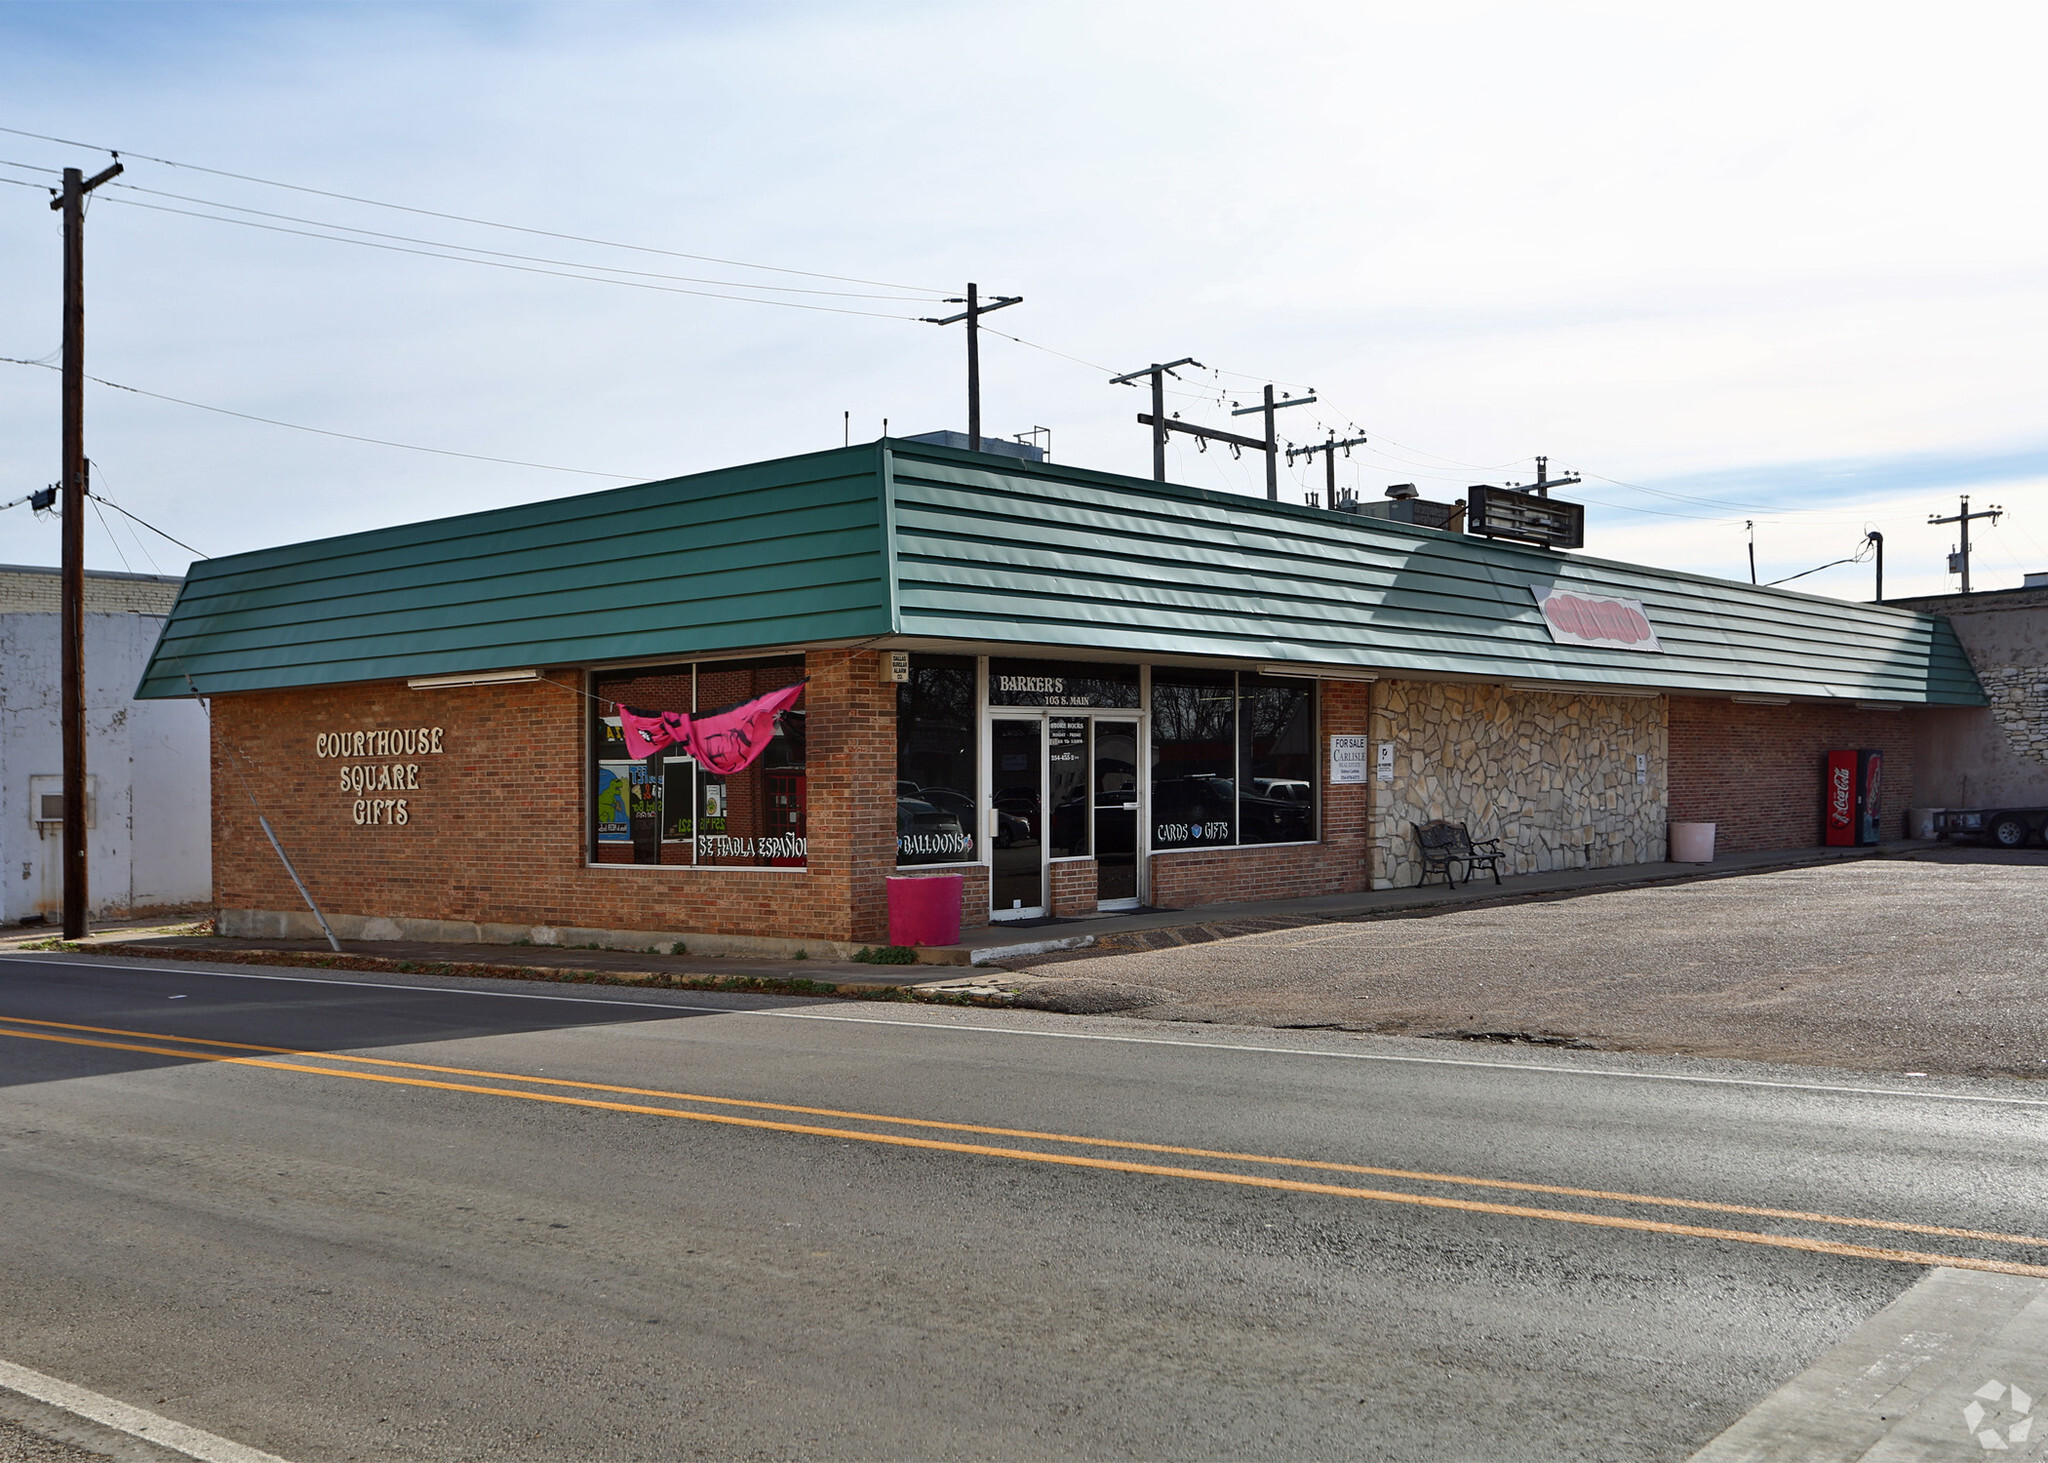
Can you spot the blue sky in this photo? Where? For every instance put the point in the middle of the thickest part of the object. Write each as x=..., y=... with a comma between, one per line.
x=1784, y=259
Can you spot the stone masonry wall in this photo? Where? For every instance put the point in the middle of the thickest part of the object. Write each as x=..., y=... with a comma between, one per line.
x=1553, y=776
x=2019, y=705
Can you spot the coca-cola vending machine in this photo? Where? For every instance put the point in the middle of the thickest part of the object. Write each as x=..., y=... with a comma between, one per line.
x=1851, y=805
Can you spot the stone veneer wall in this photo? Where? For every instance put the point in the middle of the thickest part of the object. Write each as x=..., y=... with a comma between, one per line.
x=1553, y=776
x=2019, y=704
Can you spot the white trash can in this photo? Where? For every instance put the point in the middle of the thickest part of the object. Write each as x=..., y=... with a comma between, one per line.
x=1692, y=843
x=1920, y=822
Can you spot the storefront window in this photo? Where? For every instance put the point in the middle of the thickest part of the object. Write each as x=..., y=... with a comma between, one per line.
x=1233, y=759
x=1276, y=740
x=669, y=810
x=637, y=802
x=935, y=762
x=1194, y=758
x=753, y=818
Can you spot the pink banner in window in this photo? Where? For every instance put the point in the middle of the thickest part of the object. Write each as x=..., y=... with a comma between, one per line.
x=726, y=741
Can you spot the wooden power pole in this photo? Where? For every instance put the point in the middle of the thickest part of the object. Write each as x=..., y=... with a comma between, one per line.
x=1959, y=562
x=972, y=315
x=71, y=202
x=1331, y=448
x=1158, y=373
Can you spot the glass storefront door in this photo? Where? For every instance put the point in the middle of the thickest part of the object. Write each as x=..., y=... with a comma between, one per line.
x=1115, y=787
x=1016, y=818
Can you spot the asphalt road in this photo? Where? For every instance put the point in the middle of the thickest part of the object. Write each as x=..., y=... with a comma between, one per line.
x=333, y=1259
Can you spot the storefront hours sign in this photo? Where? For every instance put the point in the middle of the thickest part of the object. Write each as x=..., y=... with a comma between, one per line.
x=375, y=762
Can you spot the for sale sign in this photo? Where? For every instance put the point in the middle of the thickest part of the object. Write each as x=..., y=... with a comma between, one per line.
x=1575, y=617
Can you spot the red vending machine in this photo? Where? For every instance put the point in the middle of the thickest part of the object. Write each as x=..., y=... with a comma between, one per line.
x=1851, y=798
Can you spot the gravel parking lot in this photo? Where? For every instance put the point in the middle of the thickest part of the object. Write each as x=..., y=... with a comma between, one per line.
x=1934, y=965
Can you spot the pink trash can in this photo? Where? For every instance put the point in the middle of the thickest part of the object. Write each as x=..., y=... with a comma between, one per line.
x=925, y=911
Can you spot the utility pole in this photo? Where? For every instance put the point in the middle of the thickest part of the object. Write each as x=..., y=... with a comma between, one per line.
x=1158, y=373
x=1750, y=524
x=1330, y=462
x=1960, y=561
x=1877, y=539
x=71, y=202
x=972, y=315
x=1270, y=446
x=1272, y=443
x=1545, y=482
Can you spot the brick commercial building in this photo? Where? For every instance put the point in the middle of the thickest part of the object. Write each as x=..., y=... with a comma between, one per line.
x=1076, y=690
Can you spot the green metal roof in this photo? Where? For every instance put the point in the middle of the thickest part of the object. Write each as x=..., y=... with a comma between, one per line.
x=937, y=543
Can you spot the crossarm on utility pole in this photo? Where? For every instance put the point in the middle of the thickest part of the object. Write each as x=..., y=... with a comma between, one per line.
x=972, y=315
x=1236, y=440
x=1158, y=372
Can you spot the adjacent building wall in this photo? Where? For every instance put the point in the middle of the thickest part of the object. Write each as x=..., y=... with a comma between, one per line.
x=146, y=762
x=1553, y=776
x=1999, y=756
x=1755, y=771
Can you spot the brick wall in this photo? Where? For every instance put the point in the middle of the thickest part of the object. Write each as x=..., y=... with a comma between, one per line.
x=1336, y=865
x=26, y=590
x=497, y=828
x=1073, y=887
x=1755, y=771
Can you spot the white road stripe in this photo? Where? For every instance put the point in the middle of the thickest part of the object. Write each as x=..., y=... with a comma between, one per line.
x=1836, y=1090
x=134, y=1421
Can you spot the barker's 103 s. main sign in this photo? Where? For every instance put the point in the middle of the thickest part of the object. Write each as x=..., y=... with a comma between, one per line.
x=1575, y=617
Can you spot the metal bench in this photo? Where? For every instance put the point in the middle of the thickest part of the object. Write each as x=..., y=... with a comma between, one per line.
x=1446, y=845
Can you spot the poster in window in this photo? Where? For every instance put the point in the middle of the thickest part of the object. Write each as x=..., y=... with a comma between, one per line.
x=615, y=802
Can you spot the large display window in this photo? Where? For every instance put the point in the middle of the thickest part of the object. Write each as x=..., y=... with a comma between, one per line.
x=1194, y=758
x=1276, y=749
x=1233, y=759
x=935, y=762
x=666, y=809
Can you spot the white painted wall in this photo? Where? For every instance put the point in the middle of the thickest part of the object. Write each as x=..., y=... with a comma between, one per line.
x=151, y=842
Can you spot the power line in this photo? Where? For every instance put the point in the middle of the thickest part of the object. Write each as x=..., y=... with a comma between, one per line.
x=97, y=498
x=108, y=529
x=479, y=222
x=506, y=254
x=572, y=273
x=345, y=436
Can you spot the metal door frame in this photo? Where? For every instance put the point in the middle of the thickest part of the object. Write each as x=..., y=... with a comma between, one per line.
x=985, y=804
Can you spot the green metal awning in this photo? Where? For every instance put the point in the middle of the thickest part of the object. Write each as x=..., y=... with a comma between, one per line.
x=936, y=543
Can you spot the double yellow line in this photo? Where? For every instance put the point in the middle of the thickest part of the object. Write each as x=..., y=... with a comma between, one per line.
x=348, y=1066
